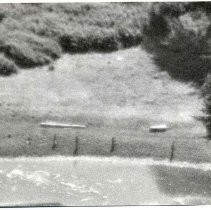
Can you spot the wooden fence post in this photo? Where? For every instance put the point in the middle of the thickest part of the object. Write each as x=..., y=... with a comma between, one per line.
x=75, y=152
x=112, y=145
x=54, y=142
x=29, y=141
x=172, y=151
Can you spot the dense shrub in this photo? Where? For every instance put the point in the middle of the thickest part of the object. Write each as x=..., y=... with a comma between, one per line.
x=178, y=39
x=206, y=93
x=93, y=38
x=99, y=39
x=171, y=9
x=103, y=40
x=31, y=34
x=24, y=56
x=46, y=24
x=28, y=50
x=74, y=42
x=178, y=35
x=182, y=57
x=7, y=67
x=128, y=37
x=156, y=27
x=176, y=9
x=2, y=16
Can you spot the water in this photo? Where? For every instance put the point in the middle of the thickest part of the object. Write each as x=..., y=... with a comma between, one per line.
x=85, y=181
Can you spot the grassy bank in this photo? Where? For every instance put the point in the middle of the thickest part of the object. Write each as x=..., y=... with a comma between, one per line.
x=29, y=139
x=36, y=34
x=117, y=94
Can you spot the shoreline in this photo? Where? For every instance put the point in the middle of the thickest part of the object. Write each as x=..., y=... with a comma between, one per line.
x=114, y=160
x=126, y=146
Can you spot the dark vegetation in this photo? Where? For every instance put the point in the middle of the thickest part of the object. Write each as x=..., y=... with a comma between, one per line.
x=36, y=34
x=206, y=92
x=7, y=67
x=28, y=50
x=178, y=35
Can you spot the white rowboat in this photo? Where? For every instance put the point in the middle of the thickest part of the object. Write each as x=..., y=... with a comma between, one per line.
x=158, y=128
x=60, y=125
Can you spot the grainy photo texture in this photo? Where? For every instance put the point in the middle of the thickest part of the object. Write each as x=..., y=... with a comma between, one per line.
x=105, y=104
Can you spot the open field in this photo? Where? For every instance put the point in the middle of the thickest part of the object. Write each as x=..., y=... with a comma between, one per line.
x=116, y=95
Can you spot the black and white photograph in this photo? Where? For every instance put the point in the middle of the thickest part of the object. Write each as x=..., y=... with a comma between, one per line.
x=105, y=104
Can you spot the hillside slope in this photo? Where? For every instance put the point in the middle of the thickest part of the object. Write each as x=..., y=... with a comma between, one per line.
x=116, y=95
x=116, y=85
x=37, y=34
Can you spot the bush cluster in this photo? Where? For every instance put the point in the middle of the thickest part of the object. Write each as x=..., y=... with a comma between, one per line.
x=178, y=39
x=34, y=34
x=7, y=67
x=29, y=50
x=103, y=40
x=206, y=93
x=129, y=38
x=178, y=35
